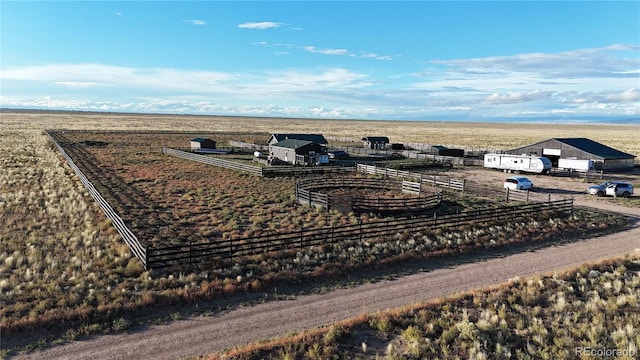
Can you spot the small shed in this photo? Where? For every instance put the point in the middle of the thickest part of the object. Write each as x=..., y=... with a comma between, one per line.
x=299, y=152
x=315, y=138
x=375, y=142
x=604, y=157
x=445, y=151
x=202, y=143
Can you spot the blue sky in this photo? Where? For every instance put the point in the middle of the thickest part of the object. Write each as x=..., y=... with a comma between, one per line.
x=416, y=60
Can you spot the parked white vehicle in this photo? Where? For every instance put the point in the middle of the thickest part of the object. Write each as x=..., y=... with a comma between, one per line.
x=523, y=163
x=576, y=165
x=518, y=183
x=614, y=188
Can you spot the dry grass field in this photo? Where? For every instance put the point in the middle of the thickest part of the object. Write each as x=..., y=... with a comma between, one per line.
x=62, y=265
x=476, y=135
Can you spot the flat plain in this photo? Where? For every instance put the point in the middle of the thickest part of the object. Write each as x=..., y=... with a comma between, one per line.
x=59, y=253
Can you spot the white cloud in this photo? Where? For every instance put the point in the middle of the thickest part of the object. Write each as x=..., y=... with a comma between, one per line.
x=196, y=22
x=117, y=76
x=313, y=49
x=260, y=25
x=78, y=84
x=516, y=97
x=576, y=63
x=268, y=44
x=376, y=56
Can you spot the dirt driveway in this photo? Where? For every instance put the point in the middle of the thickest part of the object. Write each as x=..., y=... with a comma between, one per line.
x=204, y=335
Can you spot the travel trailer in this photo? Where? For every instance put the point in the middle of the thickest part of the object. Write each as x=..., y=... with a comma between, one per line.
x=522, y=163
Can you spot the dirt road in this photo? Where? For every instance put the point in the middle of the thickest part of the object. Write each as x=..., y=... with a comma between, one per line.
x=204, y=335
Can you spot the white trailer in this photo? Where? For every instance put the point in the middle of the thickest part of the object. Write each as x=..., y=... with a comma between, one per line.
x=522, y=163
x=576, y=165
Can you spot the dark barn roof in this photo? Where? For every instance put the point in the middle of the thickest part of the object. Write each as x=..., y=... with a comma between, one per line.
x=593, y=148
x=376, y=139
x=199, y=139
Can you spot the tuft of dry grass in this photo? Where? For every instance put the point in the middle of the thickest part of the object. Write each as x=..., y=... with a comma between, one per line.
x=545, y=316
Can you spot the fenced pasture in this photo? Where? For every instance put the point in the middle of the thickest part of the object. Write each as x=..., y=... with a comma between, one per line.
x=165, y=199
x=155, y=254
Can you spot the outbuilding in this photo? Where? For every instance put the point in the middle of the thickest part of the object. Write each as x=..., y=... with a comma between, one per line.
x=299, y=152
x=445, y=151
x=603, y=156
x=202, y=143
x=375, y=142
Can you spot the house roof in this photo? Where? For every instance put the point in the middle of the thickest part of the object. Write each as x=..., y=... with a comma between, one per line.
x=594, y=148
x=293, y=143
x=376, y=139
x=201, y=139
x=316, y=138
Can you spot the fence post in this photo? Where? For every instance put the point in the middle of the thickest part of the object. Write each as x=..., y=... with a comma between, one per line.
x=507, y=196
x=571, y=208
x=301, y=230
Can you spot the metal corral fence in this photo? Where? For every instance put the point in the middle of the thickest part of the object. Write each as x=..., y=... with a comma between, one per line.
x=410, y=154
x=529, y=196
x=129, y=238
x=257, y=170
x=422, y=147
x=592, y=174
x=208, y=251
x=424, y=200
x=245, y=145
x=434, y=180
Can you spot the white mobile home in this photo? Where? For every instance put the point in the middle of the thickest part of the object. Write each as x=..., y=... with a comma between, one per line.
x=523, y=163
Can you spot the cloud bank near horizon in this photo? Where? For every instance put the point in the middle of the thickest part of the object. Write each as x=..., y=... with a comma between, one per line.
x=602, y=82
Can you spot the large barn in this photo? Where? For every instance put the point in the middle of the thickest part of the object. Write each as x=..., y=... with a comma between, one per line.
x=605, y=157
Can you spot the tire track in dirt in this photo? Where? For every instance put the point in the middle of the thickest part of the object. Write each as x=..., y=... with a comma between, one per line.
x=246, y=324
